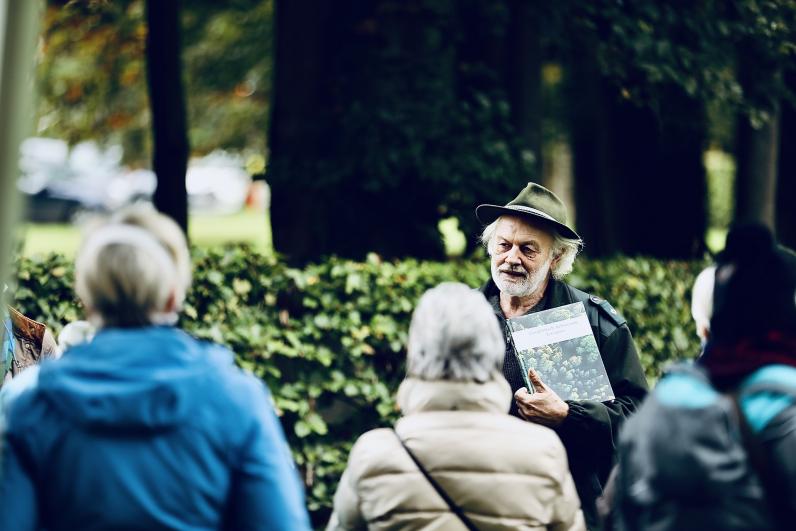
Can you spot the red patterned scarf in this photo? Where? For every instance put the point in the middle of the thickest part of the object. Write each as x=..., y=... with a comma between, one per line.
x=727, y=364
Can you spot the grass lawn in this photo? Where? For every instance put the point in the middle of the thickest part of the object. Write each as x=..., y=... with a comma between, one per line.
x=206, y=230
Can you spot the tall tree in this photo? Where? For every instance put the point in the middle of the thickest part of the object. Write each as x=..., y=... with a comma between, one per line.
x=765, y=52
x=597, y=201
x=638, y=129
x=523, y=82
x=386, y=118
x=664, y=201
x=300, y=214
x=786, y=182
x=757, y=155
x=18, y=25
x=167, y=100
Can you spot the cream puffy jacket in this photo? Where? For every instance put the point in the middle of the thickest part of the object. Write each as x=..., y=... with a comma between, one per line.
x=506, y=474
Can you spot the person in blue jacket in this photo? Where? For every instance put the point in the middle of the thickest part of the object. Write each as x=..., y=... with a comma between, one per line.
x=144, y=427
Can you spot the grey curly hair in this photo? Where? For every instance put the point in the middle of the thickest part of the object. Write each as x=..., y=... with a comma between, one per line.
x=454, y=336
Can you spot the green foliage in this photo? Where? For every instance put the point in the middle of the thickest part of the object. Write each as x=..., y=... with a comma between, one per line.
x=329, y=339
x=415, y=110
x=646, y=46
x=91, y=76
x=654, y=297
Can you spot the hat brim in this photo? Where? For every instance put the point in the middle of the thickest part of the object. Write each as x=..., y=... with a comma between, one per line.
x=486, y=214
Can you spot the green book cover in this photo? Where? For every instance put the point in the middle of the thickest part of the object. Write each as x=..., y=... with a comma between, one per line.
x=559, y=345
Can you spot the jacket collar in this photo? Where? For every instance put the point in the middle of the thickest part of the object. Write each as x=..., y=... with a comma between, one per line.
x=418, y=396
x=26, y=328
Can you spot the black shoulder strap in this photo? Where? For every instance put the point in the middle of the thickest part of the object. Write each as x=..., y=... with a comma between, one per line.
x=455, y=509
x=759, y=459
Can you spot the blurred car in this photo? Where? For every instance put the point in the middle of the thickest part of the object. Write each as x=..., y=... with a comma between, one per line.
x=217, y=183
x=60, y=182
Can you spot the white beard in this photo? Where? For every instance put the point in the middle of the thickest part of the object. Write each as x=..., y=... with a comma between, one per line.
x=521, y=286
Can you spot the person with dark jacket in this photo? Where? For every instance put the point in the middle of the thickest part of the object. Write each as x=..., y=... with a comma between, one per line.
x=531, y=249
x=714, y=446
x=144, y=427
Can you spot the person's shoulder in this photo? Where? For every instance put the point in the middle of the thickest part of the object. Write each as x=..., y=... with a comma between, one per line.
x=375, y=452
x=239, y=382
x=22, y=405
x=227, y=383
x=768, y=397
x=596, y=305
x=376, y=440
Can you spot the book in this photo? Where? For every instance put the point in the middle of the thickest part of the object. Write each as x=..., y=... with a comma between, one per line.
x=559, y=345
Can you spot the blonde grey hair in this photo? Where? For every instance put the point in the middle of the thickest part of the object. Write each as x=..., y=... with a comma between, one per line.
x=565, y=249
x=454, y=336
x=170, y=236
x=130, y=272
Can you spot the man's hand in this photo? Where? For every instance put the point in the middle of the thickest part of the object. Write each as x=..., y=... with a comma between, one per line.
x=543, y=406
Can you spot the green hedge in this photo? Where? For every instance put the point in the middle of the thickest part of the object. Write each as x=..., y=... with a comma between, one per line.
x=329, y=339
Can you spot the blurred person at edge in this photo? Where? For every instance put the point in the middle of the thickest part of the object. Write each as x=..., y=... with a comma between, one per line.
x=502, y=473
x=531, y=249
x=732, y=464
x=144, y=427
x=26, y=342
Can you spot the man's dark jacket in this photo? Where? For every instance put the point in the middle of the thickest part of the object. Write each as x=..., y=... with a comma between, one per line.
x=591, y=430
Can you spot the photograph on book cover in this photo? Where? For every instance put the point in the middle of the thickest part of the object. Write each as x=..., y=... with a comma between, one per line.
x=560, y=346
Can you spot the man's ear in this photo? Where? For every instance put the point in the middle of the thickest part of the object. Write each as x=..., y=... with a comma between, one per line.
x=556, y=259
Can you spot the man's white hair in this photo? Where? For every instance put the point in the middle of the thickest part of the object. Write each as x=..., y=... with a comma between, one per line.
x=565, y=248
x=454, y=336
x=702, y=300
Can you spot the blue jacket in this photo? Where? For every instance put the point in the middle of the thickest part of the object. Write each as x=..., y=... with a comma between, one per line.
x=147, y=429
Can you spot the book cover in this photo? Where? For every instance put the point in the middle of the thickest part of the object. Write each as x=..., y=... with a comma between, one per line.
x=559, y=345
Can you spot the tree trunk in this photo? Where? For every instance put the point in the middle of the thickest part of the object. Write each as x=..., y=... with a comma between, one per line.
x=663, y=177
x=596, y=192
x=18, y=30
x=786, y=185
x=756, y=177
x=300, y=212
x=167, y=101
x=524, y=82
x=639, y=179
x=390, y=115
x=757, y=141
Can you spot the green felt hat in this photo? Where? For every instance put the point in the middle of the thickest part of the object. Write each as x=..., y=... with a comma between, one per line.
x=534, y=202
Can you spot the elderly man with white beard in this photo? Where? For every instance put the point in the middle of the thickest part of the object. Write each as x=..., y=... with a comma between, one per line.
x=531, y=248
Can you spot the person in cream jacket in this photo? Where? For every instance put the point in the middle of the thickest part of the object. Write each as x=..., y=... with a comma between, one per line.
x=500, y=472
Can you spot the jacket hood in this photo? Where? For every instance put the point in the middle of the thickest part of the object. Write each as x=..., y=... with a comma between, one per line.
x=417, y=396
x=140, y=379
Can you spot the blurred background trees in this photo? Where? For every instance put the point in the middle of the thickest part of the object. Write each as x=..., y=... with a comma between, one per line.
x=379, y=118
x=443, y=102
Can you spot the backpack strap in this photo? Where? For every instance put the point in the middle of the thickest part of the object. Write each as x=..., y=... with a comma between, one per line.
x=455, y=509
